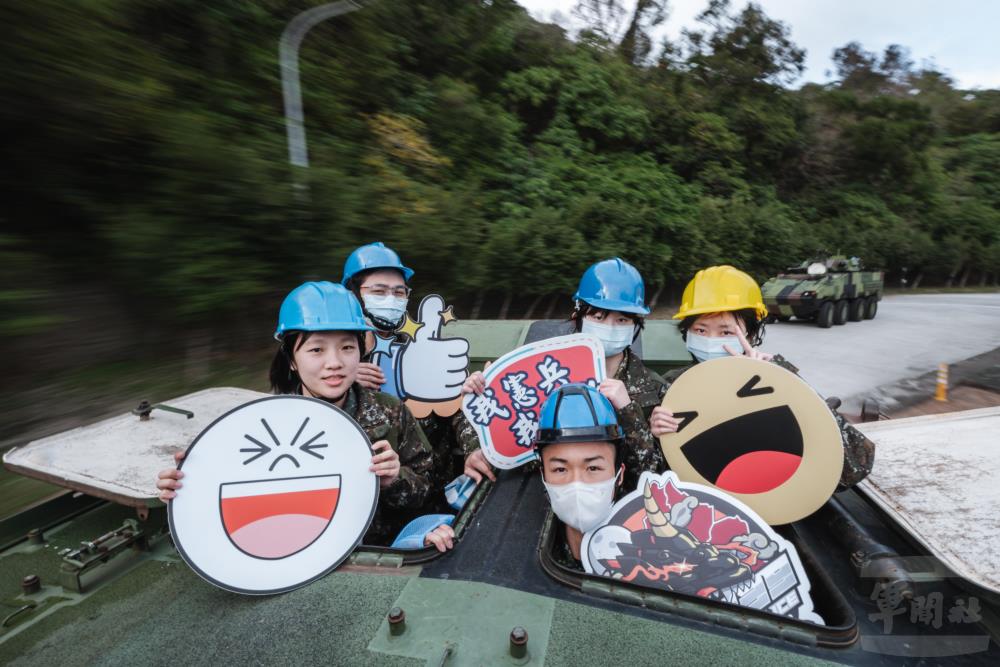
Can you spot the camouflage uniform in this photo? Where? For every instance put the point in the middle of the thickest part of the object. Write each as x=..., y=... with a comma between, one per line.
x=448, y=457
x=859, y=451
x=562, y=554
x=640, y=451
x=383, y=417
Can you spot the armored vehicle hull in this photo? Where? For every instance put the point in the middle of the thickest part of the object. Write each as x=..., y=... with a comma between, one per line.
x=90, y=575
x=833, y=291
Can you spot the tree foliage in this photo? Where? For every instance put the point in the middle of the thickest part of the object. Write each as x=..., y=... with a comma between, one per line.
x=146, y=151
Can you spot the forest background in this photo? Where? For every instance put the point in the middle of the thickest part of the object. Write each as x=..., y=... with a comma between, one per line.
x=150, y=208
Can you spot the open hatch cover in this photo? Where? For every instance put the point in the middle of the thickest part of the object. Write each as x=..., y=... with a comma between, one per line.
x=938, y=477
x=117, y=459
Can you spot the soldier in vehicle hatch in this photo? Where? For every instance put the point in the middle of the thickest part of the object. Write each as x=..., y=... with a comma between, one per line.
x=610, y=305
x=380, y=281
x=321, y=331
x=579, y=443
x=722, y=314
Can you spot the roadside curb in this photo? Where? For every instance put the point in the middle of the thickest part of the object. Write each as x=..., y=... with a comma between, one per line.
x=982, y=370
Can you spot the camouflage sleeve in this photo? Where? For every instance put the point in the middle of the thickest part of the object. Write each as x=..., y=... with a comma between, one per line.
x=465, y=433
x=784, y=363
x=640, y=451
x=859, y=453
x=415, y=464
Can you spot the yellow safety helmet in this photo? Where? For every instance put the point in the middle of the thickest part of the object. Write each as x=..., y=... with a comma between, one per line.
x=721, y=288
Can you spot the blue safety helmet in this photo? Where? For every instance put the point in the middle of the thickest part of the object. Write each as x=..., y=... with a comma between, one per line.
x=613, y=284
x=373, y=256
x=577, y=413
x=320, y=306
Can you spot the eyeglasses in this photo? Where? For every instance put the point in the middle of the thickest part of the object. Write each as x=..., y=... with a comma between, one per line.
x=400, y=291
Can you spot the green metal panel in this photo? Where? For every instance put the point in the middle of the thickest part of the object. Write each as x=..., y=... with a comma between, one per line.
x=469, y=621
x=488, y=339
x=662, y=346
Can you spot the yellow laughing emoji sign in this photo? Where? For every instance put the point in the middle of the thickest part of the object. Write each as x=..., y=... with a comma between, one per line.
x=757, y=432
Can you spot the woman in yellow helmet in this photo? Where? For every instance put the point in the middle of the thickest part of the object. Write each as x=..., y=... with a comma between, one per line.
x=722, y=314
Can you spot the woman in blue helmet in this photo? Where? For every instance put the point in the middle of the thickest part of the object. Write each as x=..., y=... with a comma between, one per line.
x=321, y=331
x=579, y=443
x=610, y=304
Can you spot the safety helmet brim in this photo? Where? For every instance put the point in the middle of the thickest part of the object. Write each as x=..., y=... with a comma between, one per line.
x=761, y=311
x=613, y=304
x=611, y=434
x=406, y=271
x=326, y=326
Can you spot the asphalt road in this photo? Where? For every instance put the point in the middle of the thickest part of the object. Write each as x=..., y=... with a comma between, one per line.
x=910, y=335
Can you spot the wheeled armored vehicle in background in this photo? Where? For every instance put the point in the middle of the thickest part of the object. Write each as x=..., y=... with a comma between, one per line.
x=830, y=290
x=89, y=575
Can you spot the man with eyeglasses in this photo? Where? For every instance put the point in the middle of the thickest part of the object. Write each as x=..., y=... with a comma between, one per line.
x=379, y=279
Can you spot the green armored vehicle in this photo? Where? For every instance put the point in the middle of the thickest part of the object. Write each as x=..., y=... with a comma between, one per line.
x=89, y=573
x=828, y=290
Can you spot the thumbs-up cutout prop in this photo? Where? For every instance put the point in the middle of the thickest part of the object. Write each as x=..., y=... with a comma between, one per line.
x=432, y=368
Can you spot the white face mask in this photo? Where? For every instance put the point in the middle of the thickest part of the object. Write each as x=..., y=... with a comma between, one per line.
x=710, y=347
x=582, y=505
x=389, y=308
x=614, y=338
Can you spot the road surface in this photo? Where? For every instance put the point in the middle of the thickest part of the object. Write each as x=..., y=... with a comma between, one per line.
x=911, y=335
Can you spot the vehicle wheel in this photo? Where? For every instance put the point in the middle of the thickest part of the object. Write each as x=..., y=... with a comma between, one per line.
x=856, y=310
x=871, y=307
x=784, y=318
x=840, y=312
x=825, y=316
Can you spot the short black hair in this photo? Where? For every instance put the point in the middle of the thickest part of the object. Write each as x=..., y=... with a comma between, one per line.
x=754, y=325
x=283, y=378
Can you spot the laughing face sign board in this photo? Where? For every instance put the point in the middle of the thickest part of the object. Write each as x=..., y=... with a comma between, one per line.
x=505, y=415
x=277, y=493
x=757, y=432
x=697, y=540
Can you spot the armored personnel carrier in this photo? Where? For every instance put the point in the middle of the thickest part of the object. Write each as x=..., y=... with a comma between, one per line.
x=89, y=574
x=830, y=290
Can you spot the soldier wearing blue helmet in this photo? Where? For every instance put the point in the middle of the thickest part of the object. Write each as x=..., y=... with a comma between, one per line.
x=610, y=305
x=379, y=279
x=578, y=443
x=321, y=333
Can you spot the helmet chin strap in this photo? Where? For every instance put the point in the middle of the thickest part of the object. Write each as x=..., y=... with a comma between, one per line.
x=383, y=325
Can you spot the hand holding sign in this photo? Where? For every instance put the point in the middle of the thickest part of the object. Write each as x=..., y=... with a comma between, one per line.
x=433, y=368
x=504, y=406
x=277, y=492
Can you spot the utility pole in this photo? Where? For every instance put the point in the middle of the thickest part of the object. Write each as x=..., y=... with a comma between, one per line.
x=288, y=53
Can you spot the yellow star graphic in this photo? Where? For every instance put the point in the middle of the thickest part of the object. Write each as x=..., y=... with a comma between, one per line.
x=410, y=327
x=447, y=315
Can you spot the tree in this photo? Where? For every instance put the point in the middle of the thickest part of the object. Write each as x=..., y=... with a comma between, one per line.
x=628, y=31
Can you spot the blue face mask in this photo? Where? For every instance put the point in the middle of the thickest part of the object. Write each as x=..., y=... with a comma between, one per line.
x=388, y=308
x=613, y=338
x=705, y=348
